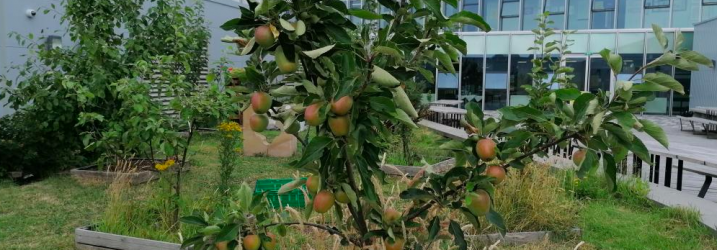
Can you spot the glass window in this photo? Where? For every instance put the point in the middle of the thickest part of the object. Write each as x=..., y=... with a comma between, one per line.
x=447, y=84
x=475, y=45
x=509, y=15
x=653, y=46
x=600, y=74
x=680, y=102
x=709, y=9
x=472, y=79
x=631, y=47
x=601, y=41
x=579, y=43
x=491, y=13
x=628, y=14
x=449, y=10
x=428, y=87
x=355, y=4
x=520, y=67
x=557, y=13
x=472, y=6
x=688, y=41
x=657, y=12
x=579, y=65
x=578, y=14
x=498, y=44
x=383, y=10
x=531, y=10
x=519, y=44
x=496, y=79
x=685, y=13
x=603, y=14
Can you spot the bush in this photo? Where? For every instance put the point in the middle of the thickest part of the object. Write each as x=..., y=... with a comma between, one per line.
x=28, y=146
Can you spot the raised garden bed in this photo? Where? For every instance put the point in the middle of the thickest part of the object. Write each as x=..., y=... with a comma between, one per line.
x=519, y=238
x=86, y=238
x=142, y=172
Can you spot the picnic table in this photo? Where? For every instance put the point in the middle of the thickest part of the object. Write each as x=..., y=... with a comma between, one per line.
x=447, y=103
x=449, y=116
x=706, y=117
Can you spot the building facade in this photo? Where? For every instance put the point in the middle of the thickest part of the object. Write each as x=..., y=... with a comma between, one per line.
x=704, y=82
x=16, y=16
x=498, y=62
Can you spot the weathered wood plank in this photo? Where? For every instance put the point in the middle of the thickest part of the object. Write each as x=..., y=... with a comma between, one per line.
x=85, y=236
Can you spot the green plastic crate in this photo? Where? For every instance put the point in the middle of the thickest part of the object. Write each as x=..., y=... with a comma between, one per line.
x=294, y=198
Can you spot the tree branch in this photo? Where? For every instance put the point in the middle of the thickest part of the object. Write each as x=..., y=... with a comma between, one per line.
x=430, y=204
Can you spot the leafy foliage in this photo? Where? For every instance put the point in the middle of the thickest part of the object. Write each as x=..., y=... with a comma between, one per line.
x=369, y=62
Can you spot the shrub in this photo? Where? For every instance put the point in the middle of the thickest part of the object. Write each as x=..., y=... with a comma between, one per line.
x=29, y=147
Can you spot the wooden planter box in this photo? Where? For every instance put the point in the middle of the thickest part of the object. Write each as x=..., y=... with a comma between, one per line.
x=519, y=238
x=88, y=239
x=142, y=176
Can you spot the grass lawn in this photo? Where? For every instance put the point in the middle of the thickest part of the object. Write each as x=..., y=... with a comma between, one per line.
x=43, y=215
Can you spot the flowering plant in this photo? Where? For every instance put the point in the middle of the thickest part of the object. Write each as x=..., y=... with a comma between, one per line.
x=236, y=72
x=228, y=151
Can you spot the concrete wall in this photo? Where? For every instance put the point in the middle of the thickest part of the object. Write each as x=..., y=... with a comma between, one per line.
x=703, y=90
x=13, y=19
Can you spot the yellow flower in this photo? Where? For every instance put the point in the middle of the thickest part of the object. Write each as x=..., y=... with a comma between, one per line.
x=165, y=165
x=229, y=127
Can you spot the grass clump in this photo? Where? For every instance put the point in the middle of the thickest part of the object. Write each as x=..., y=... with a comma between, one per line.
x=422, y=144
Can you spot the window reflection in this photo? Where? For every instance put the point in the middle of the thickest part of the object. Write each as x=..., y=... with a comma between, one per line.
x=603, y=14
x=579, y=65
x=557, y=13
x=472, y=79
x=600, y=75
x=472, y=6
x=685, y=13
x=491, y=13
x=509, y=15
x=657, y=12
x=628, y=14
x=520, y=67
x=496, y=79
x=531, y=10
x=709, y=9
x=578, y=13
x=447, y=84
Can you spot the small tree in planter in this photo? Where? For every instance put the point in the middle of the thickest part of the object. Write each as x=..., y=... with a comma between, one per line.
x=345, y=81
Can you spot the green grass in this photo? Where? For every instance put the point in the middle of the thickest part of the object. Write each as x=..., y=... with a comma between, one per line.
x=44, y=214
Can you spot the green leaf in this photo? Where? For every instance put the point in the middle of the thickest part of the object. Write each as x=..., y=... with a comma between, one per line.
x=435, y=7
x=434, y=228
x=291, y=186
x=249, y=46
x=314, y=150
x=664, y=80
x=194, y=220
x=614, y=60
x=458, y=235
x=388, y=51
x=415, y=194
x=403, y=117
x=591, y=160
x=445, y=61
x=610, y=170
x=474, y=115
x=286, y=90
x=350, y=193
x=654, y=130
x=649, y=87
x=300, y=28
x=364, y=14
x=286, y=25
x=682, y=63
x=661, y=38
x=697, y=58
x=497, y=220
x=581, y=105
x=318, y=52
x=639, y=149
x=427, y=74
x=229, y=232
x=625, y=119
x=597, y=121
x=383, y=78
x=338, y=33
x=311, y=88
x=567, y=94
x=470, y=18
